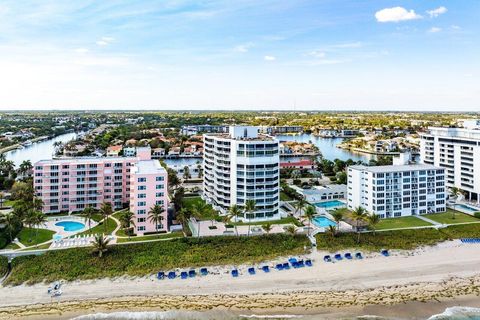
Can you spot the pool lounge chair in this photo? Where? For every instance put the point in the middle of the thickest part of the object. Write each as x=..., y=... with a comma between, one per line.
x=251, y=270
x=203, y=271
x=385, y=253
x=348, y=256
x=266, y=269
x=234, y=273
x=161, y=275
x=279, y=266
x=192, y=273
x=358, y=255
x=308, y=263
x=338, y=256
x=327, y=258
x=184, y=275
x=172, y=275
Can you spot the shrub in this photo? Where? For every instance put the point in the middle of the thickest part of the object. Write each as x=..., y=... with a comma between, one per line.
x=477, y=215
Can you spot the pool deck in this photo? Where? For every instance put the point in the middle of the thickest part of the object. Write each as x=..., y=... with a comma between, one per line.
x=50, y=225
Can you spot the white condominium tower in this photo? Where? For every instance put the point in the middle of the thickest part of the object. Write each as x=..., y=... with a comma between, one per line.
x=458, y=151
x=242, y=165
x=398, y=190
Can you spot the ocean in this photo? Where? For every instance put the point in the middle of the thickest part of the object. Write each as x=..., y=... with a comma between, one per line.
x=452, y=313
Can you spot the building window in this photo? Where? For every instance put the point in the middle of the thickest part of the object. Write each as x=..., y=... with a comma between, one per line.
x=159, y=194
x=141, y=228
x=142, y=179
x=141, y=204
x=159, y=178
x=142, y=195
x=141, y=211
x=159, y=186
x=142, y=187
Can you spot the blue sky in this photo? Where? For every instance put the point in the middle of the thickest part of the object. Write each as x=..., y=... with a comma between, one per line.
x=253, y=54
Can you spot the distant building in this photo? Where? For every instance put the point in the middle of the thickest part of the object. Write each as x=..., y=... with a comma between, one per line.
x=274, y=130
x=206, y=128
x=114, y=151
x=239, y=166
x=396, y=191
x=129, y=151
x=302, y=164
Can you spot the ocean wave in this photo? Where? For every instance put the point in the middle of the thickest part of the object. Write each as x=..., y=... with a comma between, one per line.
x=458, y=313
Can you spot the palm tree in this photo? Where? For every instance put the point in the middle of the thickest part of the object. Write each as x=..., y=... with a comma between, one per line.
x=290, y=230
x=37, y=204
x=10, y=221
x=25, y=167
x=267, y=227
x=373, y=219
x=300, y=205
x=39, y=220
x=100, y=245
x=198, y=210
x=234, y=212
x=2, y=197
x=126, y=221
x=337, y=216
x=186, y=173
x=358, y=215
x=455, y=192
x=182, y=216
x=310, y=212
x=106, y=211
x=29, y=220
x=332, y=231
x=88, y=212
x=155, y=215
x=250, y=207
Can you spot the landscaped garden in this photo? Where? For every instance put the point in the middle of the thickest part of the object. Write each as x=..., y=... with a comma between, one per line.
x=401, y=222
x=101, y=229
x=207, y=212
x=140, y=259
x=152, y=237
x=33, y=236
x=451, y=217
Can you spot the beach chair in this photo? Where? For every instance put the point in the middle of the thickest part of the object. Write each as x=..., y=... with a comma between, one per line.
x=348, y=256
x=338, y=256
x=279, y=266
x=292, y=260
x=203, y=271
x=251, y=270
x=308, y=263
x=234, y=273
x=385, y=253
x=172, y=275
x=301, y=264
x=327, y=258
x=286, y=266
x=184, y=275
x=192, y=273
x=161, y=275
x=266, y=269
x=358, y=255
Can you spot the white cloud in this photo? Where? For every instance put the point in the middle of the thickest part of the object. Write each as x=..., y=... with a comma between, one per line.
x=82, y=50
x=105, y=41
x=317, y=54
x=434, y=30
x=436, y=12
x=269, y=58
x=243, y=47
x=396, y=14
x=455, y=27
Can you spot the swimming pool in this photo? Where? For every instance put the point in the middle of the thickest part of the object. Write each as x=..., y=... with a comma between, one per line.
x=330, y=204
x=467, y=208
x=323, y=222
x=70, y=225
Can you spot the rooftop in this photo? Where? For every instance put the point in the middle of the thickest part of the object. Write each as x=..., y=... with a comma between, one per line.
x=149, y=167
x=85, y=160
x=394, y=168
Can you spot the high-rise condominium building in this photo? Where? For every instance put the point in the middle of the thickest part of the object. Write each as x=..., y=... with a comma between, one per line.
x=397, y=190
x=458, y=151
x=239, y=166
x=71, y=185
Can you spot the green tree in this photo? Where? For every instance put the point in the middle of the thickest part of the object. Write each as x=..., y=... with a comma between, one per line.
x=106, y=211
x=373, y=219
x=155, y=215
x=186, y=173
x=290, y=230
x=267, y=227
x=100, y=245
x=198, y=210
x=300, y=205
x=25, y=167
x=39, y=220
x=337, y=217
x=127, y=222
x=332, y=231
x=10, y=222
x=358, y=215
x=250, y=208
x=88, y=212
x=310, y=212
x=233, y=213
x=182, y=216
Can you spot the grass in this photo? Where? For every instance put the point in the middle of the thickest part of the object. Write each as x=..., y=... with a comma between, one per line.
x=403, y=222
x=286, y=220
x=3, y=266
x=446, y=217
x=27, y=236
x=285, y=197
x=140, y=259
x=396, y=239
x=12, y=246
x=8, y=203
x=40, y=247
x=99, y=229
x=208, y=214
x=152, y=237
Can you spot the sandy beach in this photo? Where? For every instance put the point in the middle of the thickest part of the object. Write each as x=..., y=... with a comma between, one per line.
x=447, y=272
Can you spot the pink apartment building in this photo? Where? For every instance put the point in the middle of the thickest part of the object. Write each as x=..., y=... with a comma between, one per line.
x=70, y=185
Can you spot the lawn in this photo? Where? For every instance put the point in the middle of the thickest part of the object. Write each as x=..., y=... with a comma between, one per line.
x=285, y=197
x=403, y=222
x=99, y=229
x=3, y=266
x=208, y=214
x=140, y=259
x=30, y=237
x=12, y=246
x=286, y=220
x=446, y=217
x=396, y=239
x=152, y=237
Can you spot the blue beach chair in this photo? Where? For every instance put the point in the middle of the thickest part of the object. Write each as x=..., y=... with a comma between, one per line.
x=385, y=253
x=358, y=255
x=327, y=258
x=234, y=273
x=266, y=269
x=348, y=256
x=279, y=266
x=192, y=273
x=251, y=270
x=301, y=264
x=161, y=275
x=286, y=266
x=308, y=263
x=338, y=256
x=172, y=275
x=292, y=260
x=184, y=275
x=203, y=271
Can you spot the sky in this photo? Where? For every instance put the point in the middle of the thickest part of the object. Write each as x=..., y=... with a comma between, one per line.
x=238, y=55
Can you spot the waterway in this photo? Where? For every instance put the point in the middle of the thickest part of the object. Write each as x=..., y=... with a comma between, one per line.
x=37, y=151
x=44, y=150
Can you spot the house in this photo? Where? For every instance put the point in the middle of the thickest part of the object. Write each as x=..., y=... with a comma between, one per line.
x=304, y=164
x=174, y=152
x=114, y=151
x=129, y=151
x=158, y=153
